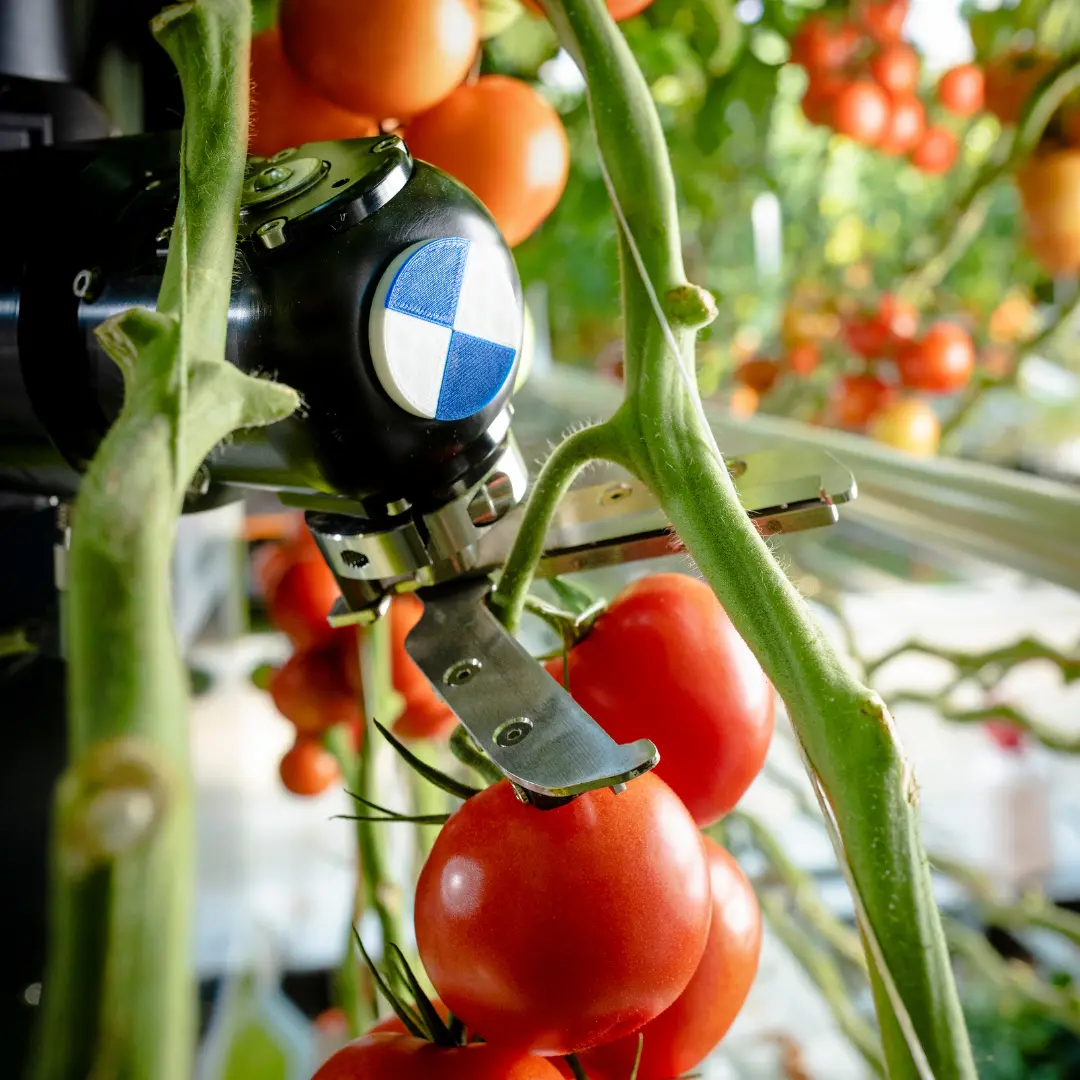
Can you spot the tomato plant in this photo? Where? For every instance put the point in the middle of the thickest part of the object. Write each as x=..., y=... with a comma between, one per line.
x=941, y=362
x=285, y=111
x=393, y=1056
x=665, y=663
x=897, y=69
x=910, y=425
x=856, y=398
x=962, y=90
x=382, y=58
x=688, y=1029
x=504, y=142
x=308, y=768
x=861, y=111
x=556, y=930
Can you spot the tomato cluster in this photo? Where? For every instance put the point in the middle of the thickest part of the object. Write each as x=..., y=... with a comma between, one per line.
x=336, y=70
x=609, y=919
x=319, y=686
x=863, y=82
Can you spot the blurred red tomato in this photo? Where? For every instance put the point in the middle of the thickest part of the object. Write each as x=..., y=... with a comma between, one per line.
x=883, y=20
x=896, y=68
x=862, y=111
x=867, y=337
x=803, y=358
x=310, y=688
x=857, y=398
x=906, y=125
x=824, y=43
x=759, y=375
x=936, y=152
x=308, y=768
x=941, y=362
x=900, y=318
x=962, y=90
x=301, y=601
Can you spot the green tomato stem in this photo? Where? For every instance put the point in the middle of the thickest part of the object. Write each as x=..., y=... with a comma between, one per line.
x=119, y=1000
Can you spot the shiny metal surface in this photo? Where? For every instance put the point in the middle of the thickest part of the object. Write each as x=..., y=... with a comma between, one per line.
x=523, y=719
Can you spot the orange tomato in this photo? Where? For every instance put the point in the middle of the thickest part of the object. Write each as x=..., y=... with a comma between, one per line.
x=382, y=58
x=504, y=142
x=963, y=90
x=1011, y=320
x=906, y=125
x=744, y=402
x=285, y=111
x=1050, y=192
x=936, y=151
x=759, y=375
x=909, y=425
x=1010, y=79
x=803, y=358
x=862, y=111
x=308, y=768
x=896, y=68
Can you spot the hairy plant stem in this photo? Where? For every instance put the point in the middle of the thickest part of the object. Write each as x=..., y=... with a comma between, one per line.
x=118, y=1001
x=660, y=434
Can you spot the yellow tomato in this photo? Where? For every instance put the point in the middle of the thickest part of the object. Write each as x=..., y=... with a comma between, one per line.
x=1050, y=190
x=909, y=425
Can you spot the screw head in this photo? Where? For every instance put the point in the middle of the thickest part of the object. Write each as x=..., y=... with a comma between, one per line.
x=615, y=492
x=272, y=177
x=462, y=672
x=512, y=732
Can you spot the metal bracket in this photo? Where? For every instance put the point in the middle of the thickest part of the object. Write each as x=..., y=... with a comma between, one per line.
x=530, y=727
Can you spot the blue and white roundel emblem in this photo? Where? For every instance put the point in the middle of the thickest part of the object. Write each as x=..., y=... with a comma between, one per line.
x=445, y=328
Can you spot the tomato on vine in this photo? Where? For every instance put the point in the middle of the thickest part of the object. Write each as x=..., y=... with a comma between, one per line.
x=910, y=425
x=896, y=68
x=803, y=358
x=759, y=375
x=395, y=1056
x=962, y=90
x=941, y=362
x=285, y=111
x=505, y=143
x=310, y=688
x=907, y=123
x=822, y=43
x=936, y=151
x=882, y=20
x=861, y=111
x=684, y=1033
x=382, y=58
x=857, y=398
x=301, y=600
x=308, y=768
x=664, y=662
x=556, y=930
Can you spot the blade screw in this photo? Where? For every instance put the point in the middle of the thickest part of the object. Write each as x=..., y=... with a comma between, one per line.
x=512, y=732
x=460, y=673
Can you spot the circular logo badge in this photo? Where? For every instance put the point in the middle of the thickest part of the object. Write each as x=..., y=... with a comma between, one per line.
x=445, y=328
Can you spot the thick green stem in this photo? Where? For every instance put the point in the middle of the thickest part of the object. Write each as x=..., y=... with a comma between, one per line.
x=662, y=436
x=118, y=999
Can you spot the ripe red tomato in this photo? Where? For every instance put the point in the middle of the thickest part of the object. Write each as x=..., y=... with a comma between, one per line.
x=425, y=715
x=906, y=125
x=936, y=152
x=1050, y=192
x=896, y=68
x=856, y=398
x=381, y=58
x=1010, y=79
x=505, y=143
x=909, y=425
x=285, y=111
x=822, y=43
x=862, y=111
x=866, y=337
x=803, y=358
x=393, y=1056
x=664, y=662
x=310, y=688
x=962, y=90
x=941, y=362
x=301, y=601
x=556, y=930
x=759, y=375
x=308, y=768
x=900, y=318
x=618, y=9
x=681, y=1036
x=883, y=20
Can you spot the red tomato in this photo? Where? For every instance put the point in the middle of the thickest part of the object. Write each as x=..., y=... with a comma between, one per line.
x=866, y=337
x=897, y=68
x=505, y=143
x=302, y=600
x=941, y=362
x=862, y=111
x=308, y=768
x=556, y=930
x=285, y=111
x=759, y=375
x=664, y=662
x=392, y=1056
x=382, y=58
x=311, y=690
x=823, y=43
x=856, y=398
x=425, y=714
x=803, y=358
x=900, y=318
x=821, y=90
x=681, y=1036
x=618, y=9
x=963, y=90
x=883, y=20
x=906, y=125
x=936, y=152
